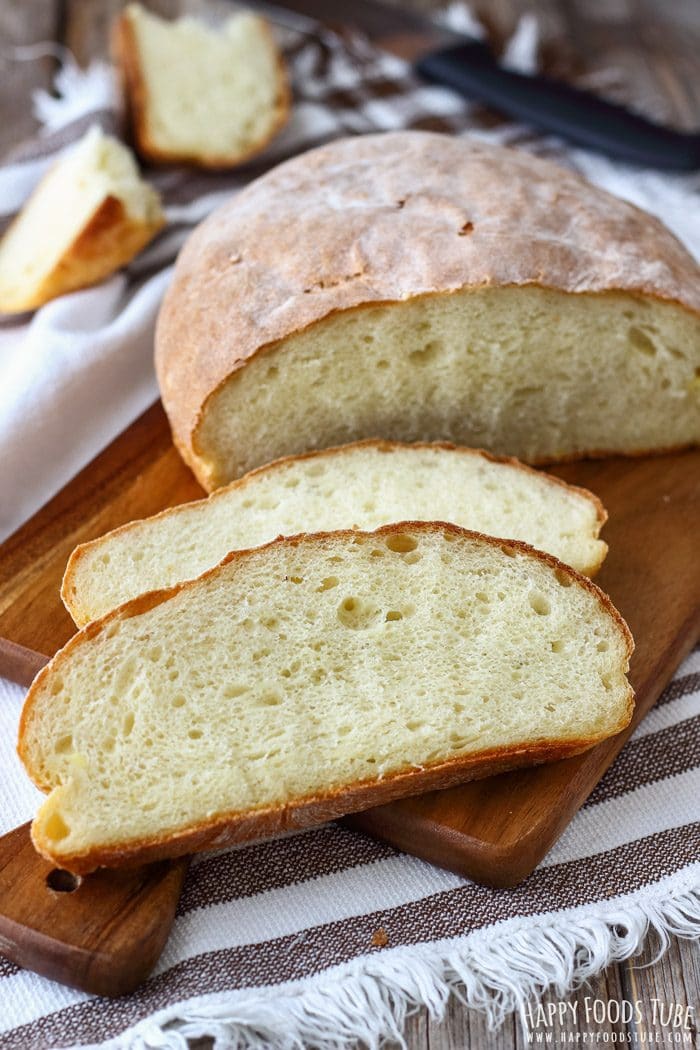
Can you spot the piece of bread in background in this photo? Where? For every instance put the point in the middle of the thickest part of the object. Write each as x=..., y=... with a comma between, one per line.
x=313, y=677
x=90, y=214
x=364, y=485
x=203, y=96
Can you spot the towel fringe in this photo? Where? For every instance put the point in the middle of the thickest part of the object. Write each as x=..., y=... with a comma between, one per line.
x=499, y=970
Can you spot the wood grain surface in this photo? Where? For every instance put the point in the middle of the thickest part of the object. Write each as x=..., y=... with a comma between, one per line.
x=655, y=50
x=102, y=934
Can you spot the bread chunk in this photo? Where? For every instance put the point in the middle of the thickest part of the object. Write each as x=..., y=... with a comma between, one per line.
x=313, y=677
x=207, y=97
x=418, y=287
x=359, y=486
x=89, y=215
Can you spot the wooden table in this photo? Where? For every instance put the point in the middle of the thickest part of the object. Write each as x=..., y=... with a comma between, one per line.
x=654, y=48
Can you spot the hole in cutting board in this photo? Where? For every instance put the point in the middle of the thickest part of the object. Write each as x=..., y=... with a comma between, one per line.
x=62, y=881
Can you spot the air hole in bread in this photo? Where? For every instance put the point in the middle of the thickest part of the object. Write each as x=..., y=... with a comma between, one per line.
x=401, y=543
x=328, y=583
x=270, y=699
x=563, y=578
x=195, y=734
x=557, y=646
x=232, y=691
x=602, y=647
x=357, y=614
x=425, y=354
x=128, y=724
x=540, y=603
x=64, y=745
x=392, y=615
x=641, y=341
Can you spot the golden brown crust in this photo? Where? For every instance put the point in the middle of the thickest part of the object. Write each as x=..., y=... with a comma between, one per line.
x=68, y=588
x=229, y=829
x=258, y=270
x=125, y=53
x=109, y=240
x=144, y=602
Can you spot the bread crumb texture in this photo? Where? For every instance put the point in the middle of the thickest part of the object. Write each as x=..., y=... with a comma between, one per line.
x=90, y=214
x=362, y=486
x=303, y=669
x=533, y=373
x=201, y=94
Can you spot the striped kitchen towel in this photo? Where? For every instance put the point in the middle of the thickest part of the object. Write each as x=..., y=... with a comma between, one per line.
x=327, y=937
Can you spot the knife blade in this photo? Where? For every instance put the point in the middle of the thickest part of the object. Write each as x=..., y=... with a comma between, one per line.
x=466, y=65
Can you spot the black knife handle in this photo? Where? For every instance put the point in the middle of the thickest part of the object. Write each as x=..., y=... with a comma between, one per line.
x=556, y=107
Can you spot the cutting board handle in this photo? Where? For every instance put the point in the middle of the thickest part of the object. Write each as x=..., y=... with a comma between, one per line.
x=103, y=933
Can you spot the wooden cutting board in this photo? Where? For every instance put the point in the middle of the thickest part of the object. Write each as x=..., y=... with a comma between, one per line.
x=494, y=831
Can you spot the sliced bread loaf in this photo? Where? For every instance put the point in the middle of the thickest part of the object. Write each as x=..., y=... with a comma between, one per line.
x=313, y=677
x=88, y=216
x=208, y=97
x=358, y=486
x=416, y=286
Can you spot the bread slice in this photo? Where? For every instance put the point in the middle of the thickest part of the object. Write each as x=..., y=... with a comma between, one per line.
x=420, y=287
x=89, y=215
x=359, y=486
x=313, y=677
x=207, y=97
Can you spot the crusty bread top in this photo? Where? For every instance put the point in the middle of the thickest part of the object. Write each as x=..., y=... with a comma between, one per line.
x=389, y=217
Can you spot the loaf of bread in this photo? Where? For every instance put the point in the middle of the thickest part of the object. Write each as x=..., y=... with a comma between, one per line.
x=313, y=677
x=357, y=486
x=89, y=215
x=208, y=97
x=416, y=286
